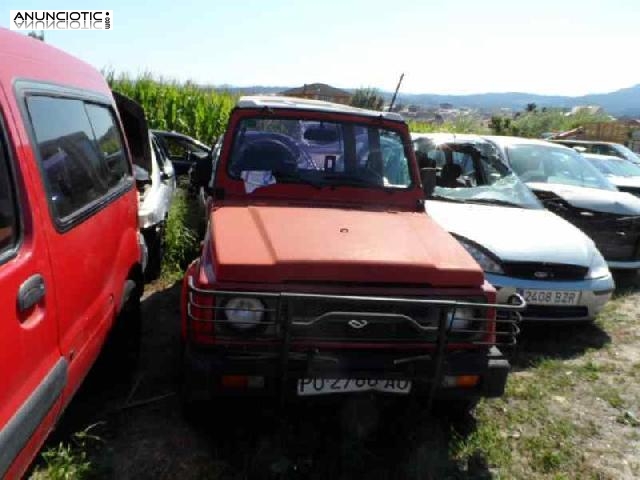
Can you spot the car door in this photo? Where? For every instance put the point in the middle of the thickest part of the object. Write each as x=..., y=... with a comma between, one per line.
x=32, y=369
x=88, y=216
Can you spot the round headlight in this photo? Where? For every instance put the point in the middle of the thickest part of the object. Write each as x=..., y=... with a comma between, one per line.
x=244, y=313
x=460, y=318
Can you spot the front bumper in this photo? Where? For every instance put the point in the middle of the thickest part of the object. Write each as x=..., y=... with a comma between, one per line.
x=594, y=294
x=206, y=369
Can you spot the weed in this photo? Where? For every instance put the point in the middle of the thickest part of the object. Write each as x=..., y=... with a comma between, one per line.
x=67, y=461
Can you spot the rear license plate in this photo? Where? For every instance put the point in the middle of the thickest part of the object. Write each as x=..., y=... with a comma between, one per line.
x=323, y=386
x=550, y=297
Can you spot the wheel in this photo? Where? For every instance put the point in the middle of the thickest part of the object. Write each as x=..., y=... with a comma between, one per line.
x=155, y=245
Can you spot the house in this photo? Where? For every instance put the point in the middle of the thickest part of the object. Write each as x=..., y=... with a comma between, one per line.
x=319, y=91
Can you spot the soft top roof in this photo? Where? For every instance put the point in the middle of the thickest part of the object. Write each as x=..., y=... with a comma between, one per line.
x=280, y=102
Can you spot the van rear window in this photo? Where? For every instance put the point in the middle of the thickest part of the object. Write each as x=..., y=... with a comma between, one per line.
x=81, y=151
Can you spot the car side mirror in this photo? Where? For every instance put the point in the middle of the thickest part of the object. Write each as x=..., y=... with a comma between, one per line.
x=428, y=177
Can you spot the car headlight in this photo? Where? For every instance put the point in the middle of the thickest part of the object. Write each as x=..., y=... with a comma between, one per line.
x=244, y=313
x=460, y=318
x=488, y=264
x=598, y=267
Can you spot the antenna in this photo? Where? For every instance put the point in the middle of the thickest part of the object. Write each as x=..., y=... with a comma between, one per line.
x=395, y=94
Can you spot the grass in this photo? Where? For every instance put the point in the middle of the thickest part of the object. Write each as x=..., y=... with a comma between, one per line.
x=183, y=232
x=67, y=461
x=539, y=428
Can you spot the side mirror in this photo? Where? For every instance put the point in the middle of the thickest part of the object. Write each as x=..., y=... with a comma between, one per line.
x=141, y=175
x=428, y=177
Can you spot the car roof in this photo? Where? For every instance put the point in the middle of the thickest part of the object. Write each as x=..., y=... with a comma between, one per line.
x=509, y=141
x=282, y=102
x=29, y=59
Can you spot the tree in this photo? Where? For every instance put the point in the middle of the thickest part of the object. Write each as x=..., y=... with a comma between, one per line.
x=531, y=107
x=367, y=98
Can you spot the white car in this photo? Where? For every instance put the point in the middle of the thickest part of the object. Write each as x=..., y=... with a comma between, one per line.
x=156, y=188
x=521, y=247
x=155, y=181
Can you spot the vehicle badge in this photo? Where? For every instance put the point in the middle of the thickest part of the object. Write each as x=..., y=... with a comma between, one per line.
x=357, y=324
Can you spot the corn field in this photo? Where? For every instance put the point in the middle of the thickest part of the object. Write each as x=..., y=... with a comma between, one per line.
x=184, y=107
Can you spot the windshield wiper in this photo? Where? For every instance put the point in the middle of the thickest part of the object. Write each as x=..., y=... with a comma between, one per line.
x=495, y=201
x=289, y=178
x=348, y=181
x=435, y=196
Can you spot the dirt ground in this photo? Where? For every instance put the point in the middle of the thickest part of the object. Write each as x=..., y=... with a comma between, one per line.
x=143, y=433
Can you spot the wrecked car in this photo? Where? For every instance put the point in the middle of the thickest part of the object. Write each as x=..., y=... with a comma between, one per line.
x=182, y=150
x=505, y=228
x=155, y=182
x=323, y=276
x=568, y=185
x=622, y=173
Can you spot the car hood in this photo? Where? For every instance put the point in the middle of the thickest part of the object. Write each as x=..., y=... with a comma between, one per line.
x=606, y=201
x=628, y=182
x=515, y=234
x=275, y=244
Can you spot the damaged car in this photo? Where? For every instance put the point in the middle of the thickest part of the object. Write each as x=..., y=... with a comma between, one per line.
x=321, y=275
x=568, y=185
x=155, y=181
x=505, y=228
x=182, y=150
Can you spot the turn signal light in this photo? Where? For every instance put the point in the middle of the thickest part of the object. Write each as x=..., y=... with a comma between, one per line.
x=461, y=381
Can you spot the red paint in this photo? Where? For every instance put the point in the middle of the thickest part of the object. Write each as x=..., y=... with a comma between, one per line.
x=84, y=269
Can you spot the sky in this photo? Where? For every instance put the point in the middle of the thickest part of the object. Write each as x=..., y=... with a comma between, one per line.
x=563, y=47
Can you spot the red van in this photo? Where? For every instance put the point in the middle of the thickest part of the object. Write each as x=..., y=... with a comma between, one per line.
x=70, y=268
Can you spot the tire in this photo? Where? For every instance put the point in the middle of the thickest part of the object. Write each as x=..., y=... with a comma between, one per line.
x=155, y=244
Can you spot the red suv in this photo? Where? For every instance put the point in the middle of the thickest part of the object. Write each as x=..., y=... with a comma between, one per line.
x=321, y=273
x=70, y=268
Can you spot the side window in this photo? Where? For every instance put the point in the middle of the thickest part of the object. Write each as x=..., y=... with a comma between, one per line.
x=8, y=219
x=109, y=144
x=81, y=159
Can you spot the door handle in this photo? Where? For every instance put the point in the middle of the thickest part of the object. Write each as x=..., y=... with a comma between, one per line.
x=31, y=292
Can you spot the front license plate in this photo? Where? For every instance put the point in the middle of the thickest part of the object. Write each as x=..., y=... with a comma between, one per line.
x=550, y=297
x=323, y=386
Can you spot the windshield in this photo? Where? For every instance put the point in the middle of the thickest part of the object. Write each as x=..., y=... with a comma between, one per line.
x=548, y=164
x=615, y=167
x=270, y=151
x=473, y=172
x=627, y=153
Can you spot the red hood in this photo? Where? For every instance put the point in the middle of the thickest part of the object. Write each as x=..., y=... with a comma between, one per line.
x=263, y=244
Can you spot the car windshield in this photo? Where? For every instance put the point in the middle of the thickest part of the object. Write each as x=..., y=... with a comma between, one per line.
x=473, y=172
x=268, y=151
x=627, y=153
x=549, y=164
x=616, y=167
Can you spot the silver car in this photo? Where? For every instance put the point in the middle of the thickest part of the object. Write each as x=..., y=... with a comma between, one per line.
x=522, y=247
